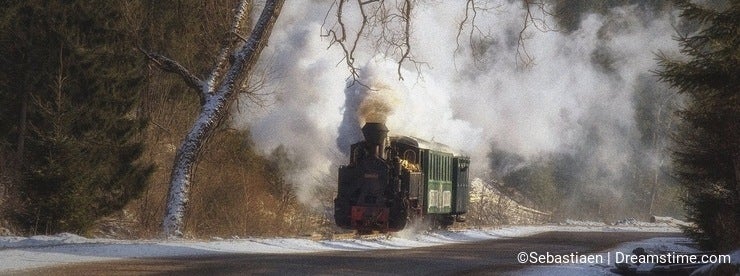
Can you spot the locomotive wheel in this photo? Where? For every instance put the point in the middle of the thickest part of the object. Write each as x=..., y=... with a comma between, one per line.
x=398, y=214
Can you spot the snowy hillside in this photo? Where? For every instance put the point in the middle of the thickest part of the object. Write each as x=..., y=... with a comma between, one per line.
x=489, y=205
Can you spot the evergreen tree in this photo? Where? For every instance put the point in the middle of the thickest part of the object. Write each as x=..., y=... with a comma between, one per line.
x=653, y=187
x=707, y=147
x=70, y=63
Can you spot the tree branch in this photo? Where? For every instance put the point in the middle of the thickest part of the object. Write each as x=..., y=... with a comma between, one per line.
x=227, y=47
x=390, y=23
x=172, y=66
x=471, y=14
x=407, y=36
x=387, y=26
x=531, y=20
x=342, y=37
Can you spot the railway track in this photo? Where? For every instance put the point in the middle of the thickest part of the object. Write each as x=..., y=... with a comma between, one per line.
x=377, y=235
x=355, y=236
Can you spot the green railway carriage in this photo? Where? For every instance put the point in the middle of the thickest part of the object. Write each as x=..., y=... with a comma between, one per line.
x=444, y=177
x=438, y=181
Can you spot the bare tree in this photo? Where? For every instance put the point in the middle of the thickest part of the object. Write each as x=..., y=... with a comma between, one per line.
x=535, y=16
x=386, y=25
x=217, y=92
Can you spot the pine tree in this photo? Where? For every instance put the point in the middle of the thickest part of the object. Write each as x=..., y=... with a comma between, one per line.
x=707, y=147
x=73, y=62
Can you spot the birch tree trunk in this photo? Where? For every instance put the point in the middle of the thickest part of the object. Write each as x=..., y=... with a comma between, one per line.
x=218, y=92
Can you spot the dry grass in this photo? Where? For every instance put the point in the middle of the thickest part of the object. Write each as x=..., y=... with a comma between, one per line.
x=230, y=194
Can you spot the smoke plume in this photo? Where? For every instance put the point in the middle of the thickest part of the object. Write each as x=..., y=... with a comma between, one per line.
x=371, y=98
x=576, y=98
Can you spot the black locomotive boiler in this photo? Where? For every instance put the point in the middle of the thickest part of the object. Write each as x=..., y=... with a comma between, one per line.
x=390, y=181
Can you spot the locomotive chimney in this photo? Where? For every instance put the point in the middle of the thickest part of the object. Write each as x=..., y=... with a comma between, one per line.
x=375, y=134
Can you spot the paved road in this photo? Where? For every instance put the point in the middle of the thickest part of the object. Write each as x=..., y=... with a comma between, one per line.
x=479, y=258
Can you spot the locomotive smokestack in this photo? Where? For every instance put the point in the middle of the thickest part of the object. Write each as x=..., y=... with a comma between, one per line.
x=375, y=133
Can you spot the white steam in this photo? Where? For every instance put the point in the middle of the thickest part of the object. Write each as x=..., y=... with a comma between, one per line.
x=372, y=98
x=577, y=94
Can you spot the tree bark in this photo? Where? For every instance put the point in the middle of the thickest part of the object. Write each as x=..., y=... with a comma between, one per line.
x=214, y=110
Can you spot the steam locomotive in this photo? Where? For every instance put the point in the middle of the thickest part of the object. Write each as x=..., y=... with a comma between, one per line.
x=391, y=181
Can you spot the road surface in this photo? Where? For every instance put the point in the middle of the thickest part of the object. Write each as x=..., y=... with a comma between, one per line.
x=479, y=258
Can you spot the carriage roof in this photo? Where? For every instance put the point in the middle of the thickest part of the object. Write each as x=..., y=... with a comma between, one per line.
x=423, y=144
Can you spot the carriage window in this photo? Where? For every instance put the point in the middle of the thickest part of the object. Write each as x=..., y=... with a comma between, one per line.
x=432, y=170
x=442, y=173
x=444, y=168
x=430, y=165
x=434, y=166
x=439, y=165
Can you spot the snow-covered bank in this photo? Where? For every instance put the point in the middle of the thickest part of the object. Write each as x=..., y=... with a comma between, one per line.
x=19, y=253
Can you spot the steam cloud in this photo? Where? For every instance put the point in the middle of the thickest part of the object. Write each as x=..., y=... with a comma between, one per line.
x=577, y=97
x=372, y=98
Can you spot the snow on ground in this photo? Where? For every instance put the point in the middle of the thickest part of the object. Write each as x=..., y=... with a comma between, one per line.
x=19, y=253
x=669, y=244
x=675, y=245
